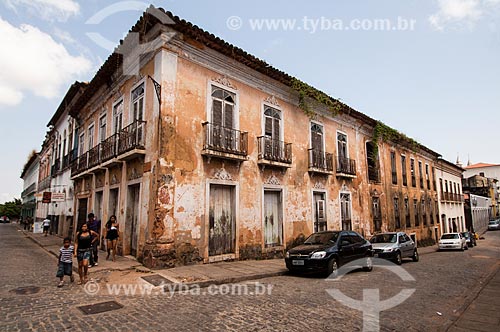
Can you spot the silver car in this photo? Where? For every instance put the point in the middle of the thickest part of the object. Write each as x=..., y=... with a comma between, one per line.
x=494, y=225
x=394, y=246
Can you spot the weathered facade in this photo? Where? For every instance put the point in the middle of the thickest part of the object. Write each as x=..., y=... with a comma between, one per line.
x=61, y=130
x=209, y=154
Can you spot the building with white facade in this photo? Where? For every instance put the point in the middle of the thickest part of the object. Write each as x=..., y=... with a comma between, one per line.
x=477, y=212
x=30, y=183
x=450, y=196
x=60, y=208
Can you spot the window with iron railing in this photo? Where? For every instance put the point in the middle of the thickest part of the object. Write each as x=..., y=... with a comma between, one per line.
x=227, y=140
x=320, y=160
x=393, y=168
x=274, y=150
x=346, y=165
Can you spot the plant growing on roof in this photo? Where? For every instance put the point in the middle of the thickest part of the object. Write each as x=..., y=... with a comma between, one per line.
x=383, y=132
x=304, y=90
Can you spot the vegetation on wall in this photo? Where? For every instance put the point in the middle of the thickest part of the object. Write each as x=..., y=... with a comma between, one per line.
x=385, y=133
x=306, y=91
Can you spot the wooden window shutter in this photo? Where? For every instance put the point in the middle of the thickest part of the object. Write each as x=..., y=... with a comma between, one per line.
x=217, y=112
x=268, y=127
x=228, y=116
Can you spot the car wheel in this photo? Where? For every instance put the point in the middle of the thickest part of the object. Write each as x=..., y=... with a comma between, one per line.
x=398, y=260
x=368, y=264
x=332, y=270
x=462, y=247
x=415, y=256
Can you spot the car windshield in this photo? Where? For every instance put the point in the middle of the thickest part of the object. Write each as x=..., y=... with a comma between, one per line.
x=449, y=236
x=322, y=238
x=384, y=238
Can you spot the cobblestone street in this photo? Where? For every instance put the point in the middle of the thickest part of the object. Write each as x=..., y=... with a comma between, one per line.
x=445, y=282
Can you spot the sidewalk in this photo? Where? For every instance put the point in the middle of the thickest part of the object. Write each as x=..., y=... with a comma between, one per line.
x=200, y=274
x=483, y=313
x=52, y=243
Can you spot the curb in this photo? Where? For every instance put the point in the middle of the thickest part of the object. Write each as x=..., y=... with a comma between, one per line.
x=229, y=280
x=470, y=299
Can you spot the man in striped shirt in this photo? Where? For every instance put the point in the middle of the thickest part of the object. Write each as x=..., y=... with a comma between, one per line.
x=65, y=263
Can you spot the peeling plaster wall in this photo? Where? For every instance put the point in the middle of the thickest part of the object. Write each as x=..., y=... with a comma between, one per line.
x=180, y=226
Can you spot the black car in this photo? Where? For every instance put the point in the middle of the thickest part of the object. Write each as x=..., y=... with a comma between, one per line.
x=327, y=251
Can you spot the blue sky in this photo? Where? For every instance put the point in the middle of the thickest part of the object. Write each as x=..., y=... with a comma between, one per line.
x=438, y=82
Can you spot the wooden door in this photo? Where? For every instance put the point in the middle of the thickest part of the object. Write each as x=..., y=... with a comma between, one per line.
x=273, y=221
x=222, y=226
x=319, y=212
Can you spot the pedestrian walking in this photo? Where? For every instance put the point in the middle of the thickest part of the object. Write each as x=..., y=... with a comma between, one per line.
x=95, y=226
x=111, y=236
x=65, y=262
x=46, y=225
x=83, y=249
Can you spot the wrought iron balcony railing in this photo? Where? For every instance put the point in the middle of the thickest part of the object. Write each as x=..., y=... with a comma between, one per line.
x=132, y=137
x=346, y=166
x=225, y=140
x=129, y=138
x=320, y=160
x=274, y=150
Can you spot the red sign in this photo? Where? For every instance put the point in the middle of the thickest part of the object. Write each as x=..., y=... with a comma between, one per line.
x=47, y=195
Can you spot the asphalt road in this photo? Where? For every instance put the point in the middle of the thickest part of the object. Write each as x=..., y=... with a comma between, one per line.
x=443, y=283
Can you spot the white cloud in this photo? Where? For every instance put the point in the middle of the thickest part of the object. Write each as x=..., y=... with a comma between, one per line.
x=32, y=61
x=460, y=12
x=50, y=10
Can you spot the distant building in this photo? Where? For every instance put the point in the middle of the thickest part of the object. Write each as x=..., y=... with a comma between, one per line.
x=477, y=212
x=62, y=139
x=450, y=196
x=483, y=180
x=30, y=184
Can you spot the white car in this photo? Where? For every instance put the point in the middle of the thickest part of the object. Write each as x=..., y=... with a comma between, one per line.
x=453, y=241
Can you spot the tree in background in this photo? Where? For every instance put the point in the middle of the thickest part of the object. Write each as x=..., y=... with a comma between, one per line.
x=11, y=209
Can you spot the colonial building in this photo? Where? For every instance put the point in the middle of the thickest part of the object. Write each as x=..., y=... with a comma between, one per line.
x=483, y=180
x=62, y=139
x=450, y=196
x=206, y=153
x=44, y=178
x=477, y=212
x=30, y=182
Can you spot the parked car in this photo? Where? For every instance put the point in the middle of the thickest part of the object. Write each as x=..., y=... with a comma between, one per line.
x=4, y=219
x=327, y=251
x=469, y=239
x=394, y=246
x=494, y=225
x=453, y=241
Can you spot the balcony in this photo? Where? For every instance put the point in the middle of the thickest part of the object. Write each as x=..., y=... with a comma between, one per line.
x=346, y=167
x=274, y=152
x=66, y=162
x=320, y=162
x=54, y=170
x=93, y=156
x=44, y=184
x=225, y=143
x=129, y=143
